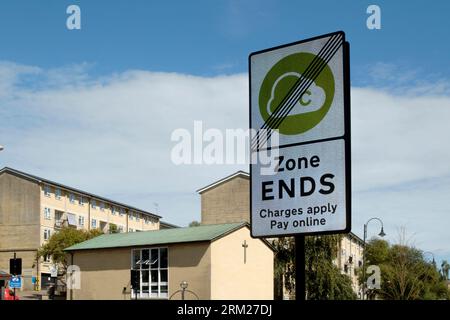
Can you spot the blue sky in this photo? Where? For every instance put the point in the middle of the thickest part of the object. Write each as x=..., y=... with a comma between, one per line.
x=95, y=108
x=215, y=37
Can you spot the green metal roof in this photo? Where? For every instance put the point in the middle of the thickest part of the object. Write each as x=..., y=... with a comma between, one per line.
x=156, y=237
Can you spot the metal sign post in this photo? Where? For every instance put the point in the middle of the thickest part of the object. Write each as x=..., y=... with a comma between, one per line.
x=300, y=177
x=15, y=275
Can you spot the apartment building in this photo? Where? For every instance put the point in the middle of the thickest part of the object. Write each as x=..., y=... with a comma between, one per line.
x=228, y=200
x=350, y=259
x=33, y=208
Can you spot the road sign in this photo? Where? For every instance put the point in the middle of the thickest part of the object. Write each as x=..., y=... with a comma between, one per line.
x=15, y=282
x=54, y=271
x=300, y=146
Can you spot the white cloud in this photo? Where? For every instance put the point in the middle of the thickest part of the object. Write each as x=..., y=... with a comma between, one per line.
x=398, y=139
x=111, y=135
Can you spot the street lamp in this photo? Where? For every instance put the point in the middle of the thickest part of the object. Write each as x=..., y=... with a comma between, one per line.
x=432, y=254
x=1, y=148
x=381, y=234
x=183, y=286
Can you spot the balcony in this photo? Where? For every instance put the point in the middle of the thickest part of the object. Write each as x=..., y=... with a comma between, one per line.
x=65, y=219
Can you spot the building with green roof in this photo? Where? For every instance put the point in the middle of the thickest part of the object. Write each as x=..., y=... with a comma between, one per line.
x=218, y=261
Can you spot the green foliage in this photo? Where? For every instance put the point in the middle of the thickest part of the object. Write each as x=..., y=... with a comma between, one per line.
x=405, y=274
x=445, y=268
x=324, y=280
x=65, y=238
x=284, y=270
x=194, y=224
x=113, y=228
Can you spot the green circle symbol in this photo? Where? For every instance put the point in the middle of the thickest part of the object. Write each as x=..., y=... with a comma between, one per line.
x=278, y=82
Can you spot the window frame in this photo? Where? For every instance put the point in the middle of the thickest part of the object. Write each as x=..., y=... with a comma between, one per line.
x=92, y=223
x=58, y=193
x=158, y=269
x=47, y=213
x=81, y=218
x=47, y=234
x=47, y=191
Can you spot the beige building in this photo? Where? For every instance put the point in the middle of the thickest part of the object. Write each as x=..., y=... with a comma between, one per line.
x=220, y=261
x=228, y=200
x=350, y=259
x=34, y=208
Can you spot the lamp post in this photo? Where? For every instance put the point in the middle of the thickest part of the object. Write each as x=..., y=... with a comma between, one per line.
x=183, y=286
x=381, y=234
x=432, y=254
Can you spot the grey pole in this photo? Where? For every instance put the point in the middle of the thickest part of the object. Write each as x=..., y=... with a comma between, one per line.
x=381, y=234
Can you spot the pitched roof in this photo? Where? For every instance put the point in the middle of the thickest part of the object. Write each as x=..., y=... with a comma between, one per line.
x=46, y=181
x=157, y=237
x=242, y=174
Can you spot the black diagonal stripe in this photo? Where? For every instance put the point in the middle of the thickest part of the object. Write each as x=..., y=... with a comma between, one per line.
x=308, y=70
x=318, y=70
x=302, y=84
x=306, y=84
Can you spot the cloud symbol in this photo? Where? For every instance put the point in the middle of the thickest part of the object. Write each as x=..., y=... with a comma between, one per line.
x=312, y=100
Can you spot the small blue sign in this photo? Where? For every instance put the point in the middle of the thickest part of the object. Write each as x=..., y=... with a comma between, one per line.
x=15, y=282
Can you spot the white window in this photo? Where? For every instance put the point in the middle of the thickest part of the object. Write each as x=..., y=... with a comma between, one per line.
x=72, y=198
x=122, y=212
x=146, y=220
x=81, y=201
x=47, y=234
x=81, y=221
x=130, y=215
x=102, y=206
x=113, y=210
x=138, y=217
x=58, y=193
x=152, y=264
x=47, y=214
x=94, y=224
x=93, y=204
x=47, y=191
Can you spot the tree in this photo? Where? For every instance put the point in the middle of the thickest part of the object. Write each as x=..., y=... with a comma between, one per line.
x=324, y=280
x=405, y=274
x=445, y=268
x=284, y=271
x=61, y=240
x=113, y=228
x=194, y=224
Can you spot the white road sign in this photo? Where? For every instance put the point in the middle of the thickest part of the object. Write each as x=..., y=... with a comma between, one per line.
x=300, y=120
